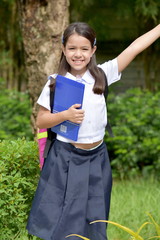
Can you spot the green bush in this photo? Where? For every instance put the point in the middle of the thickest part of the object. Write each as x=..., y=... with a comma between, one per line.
x=135, y=119
x=19, y=171
x=15, y=109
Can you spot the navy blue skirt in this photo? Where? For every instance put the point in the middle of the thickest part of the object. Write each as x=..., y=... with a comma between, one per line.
x=74, y=190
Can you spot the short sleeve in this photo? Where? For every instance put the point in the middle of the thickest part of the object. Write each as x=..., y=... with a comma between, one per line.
x=44, y=99
x=111, y=70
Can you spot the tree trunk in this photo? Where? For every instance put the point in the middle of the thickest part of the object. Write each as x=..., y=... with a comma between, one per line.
x=42, y=24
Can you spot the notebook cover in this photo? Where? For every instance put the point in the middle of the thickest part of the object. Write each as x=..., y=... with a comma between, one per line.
x=67, y=93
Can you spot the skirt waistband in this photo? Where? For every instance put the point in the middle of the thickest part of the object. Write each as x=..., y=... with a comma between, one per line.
x=72, y=148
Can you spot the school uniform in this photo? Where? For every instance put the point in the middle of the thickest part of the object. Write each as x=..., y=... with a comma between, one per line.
x=75, y=184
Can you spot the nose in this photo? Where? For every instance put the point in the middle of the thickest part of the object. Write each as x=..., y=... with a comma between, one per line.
x=78, y=53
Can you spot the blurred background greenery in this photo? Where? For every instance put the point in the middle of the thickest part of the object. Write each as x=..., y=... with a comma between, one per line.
x=117, y=24
x=133, y=110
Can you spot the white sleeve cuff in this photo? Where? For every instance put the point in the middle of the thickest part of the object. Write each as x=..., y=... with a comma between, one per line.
x=111, y=70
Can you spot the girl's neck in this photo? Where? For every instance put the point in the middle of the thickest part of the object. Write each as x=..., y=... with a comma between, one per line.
x=77, y=74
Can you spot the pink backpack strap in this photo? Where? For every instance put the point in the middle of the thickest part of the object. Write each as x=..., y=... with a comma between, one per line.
x=42, y=138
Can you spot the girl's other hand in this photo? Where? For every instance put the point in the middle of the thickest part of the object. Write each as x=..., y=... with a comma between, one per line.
x=74, y=114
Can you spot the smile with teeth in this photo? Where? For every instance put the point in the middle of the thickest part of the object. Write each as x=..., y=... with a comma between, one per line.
x=77, y=61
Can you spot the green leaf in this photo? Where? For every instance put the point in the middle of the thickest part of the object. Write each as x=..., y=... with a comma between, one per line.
x=76, y=235
x=126, y=229
x=154, y=237
x=155, y=224
x=142, y=226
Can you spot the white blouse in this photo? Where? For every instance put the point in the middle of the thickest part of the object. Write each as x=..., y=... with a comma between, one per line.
x=92, y=129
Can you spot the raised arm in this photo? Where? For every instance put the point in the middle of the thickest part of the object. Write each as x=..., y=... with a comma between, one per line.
x=137, y=47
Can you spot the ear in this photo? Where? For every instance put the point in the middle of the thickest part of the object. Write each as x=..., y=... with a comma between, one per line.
x=94, y=49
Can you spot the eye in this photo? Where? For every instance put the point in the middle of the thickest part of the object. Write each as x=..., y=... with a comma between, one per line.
x=71, y=48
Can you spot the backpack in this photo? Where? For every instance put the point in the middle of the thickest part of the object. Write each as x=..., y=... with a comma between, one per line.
x=46, y=137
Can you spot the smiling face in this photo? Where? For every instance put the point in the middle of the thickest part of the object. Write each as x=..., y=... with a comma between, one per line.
x=78, y=52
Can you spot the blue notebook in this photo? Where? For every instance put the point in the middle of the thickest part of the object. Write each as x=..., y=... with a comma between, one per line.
x=67, y=93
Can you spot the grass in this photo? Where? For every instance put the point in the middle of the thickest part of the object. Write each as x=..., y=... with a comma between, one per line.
x=130, y=203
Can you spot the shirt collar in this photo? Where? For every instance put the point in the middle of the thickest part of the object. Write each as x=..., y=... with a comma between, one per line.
x=87, y=77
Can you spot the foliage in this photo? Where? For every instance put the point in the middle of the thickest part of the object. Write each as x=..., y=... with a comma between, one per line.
x=148, y=9
x=77, y=235
x=113, y=12
x=135, y=147
x=19, y=170
x=15, y=111
x=136, y=235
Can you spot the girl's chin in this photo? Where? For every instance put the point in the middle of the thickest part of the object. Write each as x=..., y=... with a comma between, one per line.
x=78, y=71
x=77, y=68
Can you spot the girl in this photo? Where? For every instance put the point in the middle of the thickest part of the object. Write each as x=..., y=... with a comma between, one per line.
x=75, y=184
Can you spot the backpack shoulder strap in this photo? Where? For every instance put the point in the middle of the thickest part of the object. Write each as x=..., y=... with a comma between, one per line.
x=106, y=91
x=51, y=136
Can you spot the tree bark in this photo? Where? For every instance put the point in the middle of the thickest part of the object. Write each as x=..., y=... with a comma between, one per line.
x=42, y=24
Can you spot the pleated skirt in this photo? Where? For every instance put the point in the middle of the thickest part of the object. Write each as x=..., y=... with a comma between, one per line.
x=74, y=189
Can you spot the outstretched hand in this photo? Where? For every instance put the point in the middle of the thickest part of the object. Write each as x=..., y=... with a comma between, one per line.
x=136, y=47
x=74, y=114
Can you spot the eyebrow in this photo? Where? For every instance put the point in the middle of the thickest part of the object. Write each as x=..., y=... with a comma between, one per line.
x=85, y=46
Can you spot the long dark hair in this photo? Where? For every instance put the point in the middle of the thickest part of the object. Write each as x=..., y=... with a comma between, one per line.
x=84, y=30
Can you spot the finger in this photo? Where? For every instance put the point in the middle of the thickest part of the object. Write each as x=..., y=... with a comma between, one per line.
x=79, y=115
x=76, y=105
x=79, y=121
x=80, y=111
